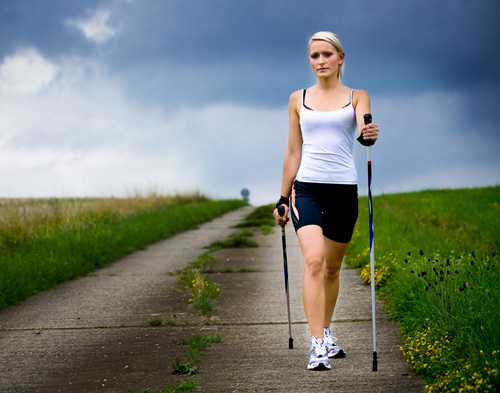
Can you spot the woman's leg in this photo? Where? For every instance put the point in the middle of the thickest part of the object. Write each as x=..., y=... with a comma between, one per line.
x=312, y=245
x=333, y=255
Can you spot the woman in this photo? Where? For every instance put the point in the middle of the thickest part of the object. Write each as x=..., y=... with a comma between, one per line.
x=320, y=179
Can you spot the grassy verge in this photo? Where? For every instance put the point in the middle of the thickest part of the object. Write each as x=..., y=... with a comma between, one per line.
x=46, y=242
x=437, y=271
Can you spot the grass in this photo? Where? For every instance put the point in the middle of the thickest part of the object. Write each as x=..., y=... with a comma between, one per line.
x=154, y=322
x=239, y=240
x=437, y=271
x=188, y=366
x=195, y=344
x=48, y=241
x=260, y=218
x=194, y=279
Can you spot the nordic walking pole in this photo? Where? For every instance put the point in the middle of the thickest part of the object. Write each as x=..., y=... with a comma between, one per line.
x=281, y=212
x=368, y=119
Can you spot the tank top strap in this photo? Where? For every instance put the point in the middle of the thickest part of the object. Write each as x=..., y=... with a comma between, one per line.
x=352, y=90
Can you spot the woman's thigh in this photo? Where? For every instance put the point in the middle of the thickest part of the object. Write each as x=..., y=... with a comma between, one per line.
x=312, y=245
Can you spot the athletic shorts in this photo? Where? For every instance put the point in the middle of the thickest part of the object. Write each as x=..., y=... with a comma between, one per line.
x=333, y=207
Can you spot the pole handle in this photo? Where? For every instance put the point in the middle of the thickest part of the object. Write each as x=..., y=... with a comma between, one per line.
x=281, y=210
x=367, y=118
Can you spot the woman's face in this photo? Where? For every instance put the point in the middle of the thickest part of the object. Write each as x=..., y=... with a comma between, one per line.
x=324, y=59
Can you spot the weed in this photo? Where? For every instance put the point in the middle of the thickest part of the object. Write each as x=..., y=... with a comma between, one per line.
x=239, y=240
x=382, y=273
x=193, y=279
x=260, y=217
x=155, y=322
x=185, y=367
x=266, y=229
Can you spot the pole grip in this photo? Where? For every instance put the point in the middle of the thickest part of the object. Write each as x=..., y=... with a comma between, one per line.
x=281, y=210
x=368, y=118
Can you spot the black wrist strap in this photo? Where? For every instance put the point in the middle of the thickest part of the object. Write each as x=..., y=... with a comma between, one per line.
x=365, y=142
x=283, y=201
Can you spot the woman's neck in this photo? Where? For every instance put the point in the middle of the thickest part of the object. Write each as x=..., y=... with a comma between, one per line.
x=328, y=83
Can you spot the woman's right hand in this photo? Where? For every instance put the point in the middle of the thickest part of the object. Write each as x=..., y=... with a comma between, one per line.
x=281, y=221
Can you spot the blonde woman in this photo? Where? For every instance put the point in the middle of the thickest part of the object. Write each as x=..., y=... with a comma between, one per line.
x=320, y=180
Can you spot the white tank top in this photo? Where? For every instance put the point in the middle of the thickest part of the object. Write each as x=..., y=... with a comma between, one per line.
x=327, y=149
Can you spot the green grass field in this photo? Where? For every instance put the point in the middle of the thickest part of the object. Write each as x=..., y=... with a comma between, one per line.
x=437, y=270
x=44, y=242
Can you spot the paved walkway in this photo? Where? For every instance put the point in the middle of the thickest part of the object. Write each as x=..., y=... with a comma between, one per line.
x=92, y=334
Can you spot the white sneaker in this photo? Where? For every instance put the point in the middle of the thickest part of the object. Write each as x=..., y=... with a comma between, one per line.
x=334, y=351
x=318, y=359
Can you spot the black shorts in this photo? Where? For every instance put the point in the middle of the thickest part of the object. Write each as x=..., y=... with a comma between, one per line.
x=333, y=207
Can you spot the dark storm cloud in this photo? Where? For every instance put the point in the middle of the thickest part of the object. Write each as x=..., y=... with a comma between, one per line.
x=203, y=86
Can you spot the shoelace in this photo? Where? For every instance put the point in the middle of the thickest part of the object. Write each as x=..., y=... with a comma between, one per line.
x=315, y=348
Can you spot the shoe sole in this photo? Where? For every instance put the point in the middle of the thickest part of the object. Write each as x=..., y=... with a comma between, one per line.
x=340, y=354
x=319, y=366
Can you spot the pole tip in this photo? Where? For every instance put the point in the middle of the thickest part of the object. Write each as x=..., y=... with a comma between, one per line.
x=290, y=343
x=374, y=367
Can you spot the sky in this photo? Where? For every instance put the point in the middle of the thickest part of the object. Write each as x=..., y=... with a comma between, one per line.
x=124, y=97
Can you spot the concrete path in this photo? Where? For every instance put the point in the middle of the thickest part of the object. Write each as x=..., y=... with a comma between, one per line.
x=92, y=334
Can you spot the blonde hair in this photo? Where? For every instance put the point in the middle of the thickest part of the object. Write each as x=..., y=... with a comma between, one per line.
x=331, y=38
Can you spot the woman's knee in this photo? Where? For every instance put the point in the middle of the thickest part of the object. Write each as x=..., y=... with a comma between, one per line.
x=313, y=265
x=332, y=272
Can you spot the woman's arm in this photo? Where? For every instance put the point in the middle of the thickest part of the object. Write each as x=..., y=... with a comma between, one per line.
x=361, y=103
x=293, y=153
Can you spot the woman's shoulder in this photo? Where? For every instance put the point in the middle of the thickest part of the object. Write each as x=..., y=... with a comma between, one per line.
x=296, y=94
x=296, y=97
x=359, y=95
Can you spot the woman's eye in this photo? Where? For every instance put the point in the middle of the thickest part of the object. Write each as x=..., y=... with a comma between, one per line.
x=314, y=56
x=328, y=54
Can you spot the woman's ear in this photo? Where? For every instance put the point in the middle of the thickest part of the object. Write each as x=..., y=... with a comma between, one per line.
x=342, y=57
